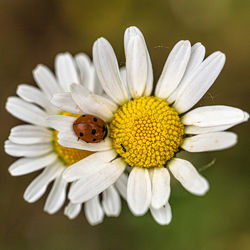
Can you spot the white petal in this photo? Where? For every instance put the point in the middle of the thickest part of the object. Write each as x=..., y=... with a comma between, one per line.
x=61, y=123
x=139, y=191
x=188, y=176
x=92, y=104
x=94, y=183
x=216, y=115
x=130, y=33
x=209, y=142
x=174, y=69
x=28, y=165
x=124, y=79
x=136, y=66
x=111, y=202
x=45, y=79
x=91, y=164
x=65, y=102
x=66, y=71
x=98, y=90
x=197, y=55
x=34, y=95
x=29, y=134
x=86, y=70
x=203, y=130
x=199, y=82
x=93, y=211
x=160, y=187
x=121, y=185
x=19, y=150
x=26, y=112
x=162, y=215
x=72, y=210
x=108, y=71
x=56, y=196
x=69, y=139
x=88, y=74
x=39, y=185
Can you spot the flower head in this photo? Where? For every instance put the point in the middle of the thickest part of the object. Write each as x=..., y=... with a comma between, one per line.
x=147, y=131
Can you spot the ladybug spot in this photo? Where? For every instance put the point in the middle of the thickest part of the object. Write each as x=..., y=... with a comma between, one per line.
x=81, y=134
x=83, y=115
x=93, y=131
x=94, y=140
x=95, y=119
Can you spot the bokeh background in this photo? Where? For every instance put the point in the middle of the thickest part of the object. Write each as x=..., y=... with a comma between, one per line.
x=33, y=32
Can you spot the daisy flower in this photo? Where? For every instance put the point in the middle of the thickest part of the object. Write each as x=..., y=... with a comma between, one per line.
x=37, y=143
x=145, y=131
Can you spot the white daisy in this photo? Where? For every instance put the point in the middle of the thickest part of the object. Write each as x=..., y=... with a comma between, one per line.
x=146, y=132
x=37, y=143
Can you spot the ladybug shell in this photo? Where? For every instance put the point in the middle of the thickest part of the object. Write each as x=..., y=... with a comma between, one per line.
x=90, y=128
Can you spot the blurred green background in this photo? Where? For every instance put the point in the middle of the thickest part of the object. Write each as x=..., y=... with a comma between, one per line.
x=34, y=32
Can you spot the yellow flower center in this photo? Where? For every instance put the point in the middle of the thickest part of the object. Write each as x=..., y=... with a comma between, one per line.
x=68, y=156
x=146, y=132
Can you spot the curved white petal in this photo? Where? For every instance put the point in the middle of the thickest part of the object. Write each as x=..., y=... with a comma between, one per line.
x=108, y=71
x=160, y=187
x=46, y=80
x=19, y=150
x=197, y=55
x=65, y=102
x=28, y=165
x=121, y=185
x=57, y=196
x=163, y=215
x=130, y=33
x=94, y=183
x=111, y=202
x=188, y=176
x=93, y=104
x=209, y=142
x=199, y=82
x=215, y=115
x=91, y=164
x=174, y=69
x=26, y=112
x=66, y=70
x=39, y=185
x=72, y=210
x=29, y=134
x=93, y=211
x=69, y=139
x=139, y=191
x=136, y=66
x=35, y=95
x=61, y=123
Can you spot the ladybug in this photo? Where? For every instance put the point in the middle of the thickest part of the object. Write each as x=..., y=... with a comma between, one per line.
x=90, y=128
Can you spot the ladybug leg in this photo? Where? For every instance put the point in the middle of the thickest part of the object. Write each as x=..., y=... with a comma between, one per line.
x=106, y=132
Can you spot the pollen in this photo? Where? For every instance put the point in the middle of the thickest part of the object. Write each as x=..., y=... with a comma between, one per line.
x=68, y=156
x=146, y=132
